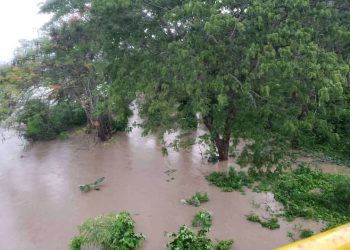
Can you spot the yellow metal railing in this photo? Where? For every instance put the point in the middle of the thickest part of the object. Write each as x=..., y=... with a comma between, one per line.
x=334, y=239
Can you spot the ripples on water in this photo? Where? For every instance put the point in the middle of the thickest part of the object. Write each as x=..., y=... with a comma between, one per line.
x=41, y=205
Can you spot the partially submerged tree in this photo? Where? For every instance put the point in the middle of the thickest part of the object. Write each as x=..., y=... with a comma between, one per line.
x=233, y=63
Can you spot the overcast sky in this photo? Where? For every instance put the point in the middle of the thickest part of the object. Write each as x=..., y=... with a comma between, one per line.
x=19, y=19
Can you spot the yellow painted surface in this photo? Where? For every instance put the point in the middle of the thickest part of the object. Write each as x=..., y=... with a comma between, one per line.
x=334, y=239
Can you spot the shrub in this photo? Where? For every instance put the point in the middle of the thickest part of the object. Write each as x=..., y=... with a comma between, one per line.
x=224, y=245
x=114, y=231
x=232, y=180
x=342, y=195
x=253, y=218
x=197, y=199
x=270, y=223
x=202, y=219
x=45, y=122
x=313, y=195
x=185, y=239
x=306, y=233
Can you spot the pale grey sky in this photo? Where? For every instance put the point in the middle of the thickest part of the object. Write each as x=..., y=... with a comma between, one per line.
x=19, y=19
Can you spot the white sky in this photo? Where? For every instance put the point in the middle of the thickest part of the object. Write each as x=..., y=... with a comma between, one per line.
x=19, y=19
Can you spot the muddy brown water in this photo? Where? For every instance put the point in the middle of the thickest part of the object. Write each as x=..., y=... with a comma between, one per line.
x=41, y=205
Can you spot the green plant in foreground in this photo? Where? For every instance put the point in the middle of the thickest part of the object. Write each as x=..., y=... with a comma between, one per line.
x=230, y=181
x=76, y=243
x=202, y=219
x=110, y=232
x=185, y=239
x=224, y=245
x=197, y=199
x=270, y=223
x=306, y=233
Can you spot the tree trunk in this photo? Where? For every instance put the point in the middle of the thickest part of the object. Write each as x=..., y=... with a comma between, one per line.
x=222, y=144
x=104, y=131
x=223, y=147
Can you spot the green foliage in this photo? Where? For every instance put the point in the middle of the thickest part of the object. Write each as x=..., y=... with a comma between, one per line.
x=253, y=218
x=202, y=219
x=306, y=233
x=76, y=243
x=45, y=122
x=114, y=231
x=230, y=181
x=265, y=155
x=313, y=195
x=271, y=223
x=197, y=199
x=187, y=240
x=224, y=245
x=258, y=70
x=342, y=194
x=211, y=152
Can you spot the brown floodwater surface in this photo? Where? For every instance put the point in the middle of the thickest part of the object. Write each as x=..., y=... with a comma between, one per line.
x=41, y=204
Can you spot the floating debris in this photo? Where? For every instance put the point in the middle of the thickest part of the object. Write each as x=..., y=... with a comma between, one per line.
x=94, y=185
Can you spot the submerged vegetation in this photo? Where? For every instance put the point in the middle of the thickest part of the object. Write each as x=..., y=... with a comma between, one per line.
x=303, y=192
x=197, y=199
x=271, y=223
x=202, y=219
x=230, y=181
x=313, y=195
x=186, y=239
x=110, y=232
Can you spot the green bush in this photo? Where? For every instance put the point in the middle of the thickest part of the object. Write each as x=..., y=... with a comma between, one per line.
x=47, y=122
x=197, y=199
x=306, y=233
x=224, y=245
x=342, y=195
x=230, y=181
x=202, y=219
x=114, y=231
x=185, y=239
x=270, y=223
x=253, y=218
x=313, y=195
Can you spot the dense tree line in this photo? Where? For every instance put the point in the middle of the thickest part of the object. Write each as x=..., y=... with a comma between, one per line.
x=275, y=71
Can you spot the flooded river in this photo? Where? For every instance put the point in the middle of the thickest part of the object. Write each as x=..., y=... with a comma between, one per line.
x=41, y=204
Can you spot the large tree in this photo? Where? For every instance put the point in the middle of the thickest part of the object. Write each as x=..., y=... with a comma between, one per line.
x=234, y=63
